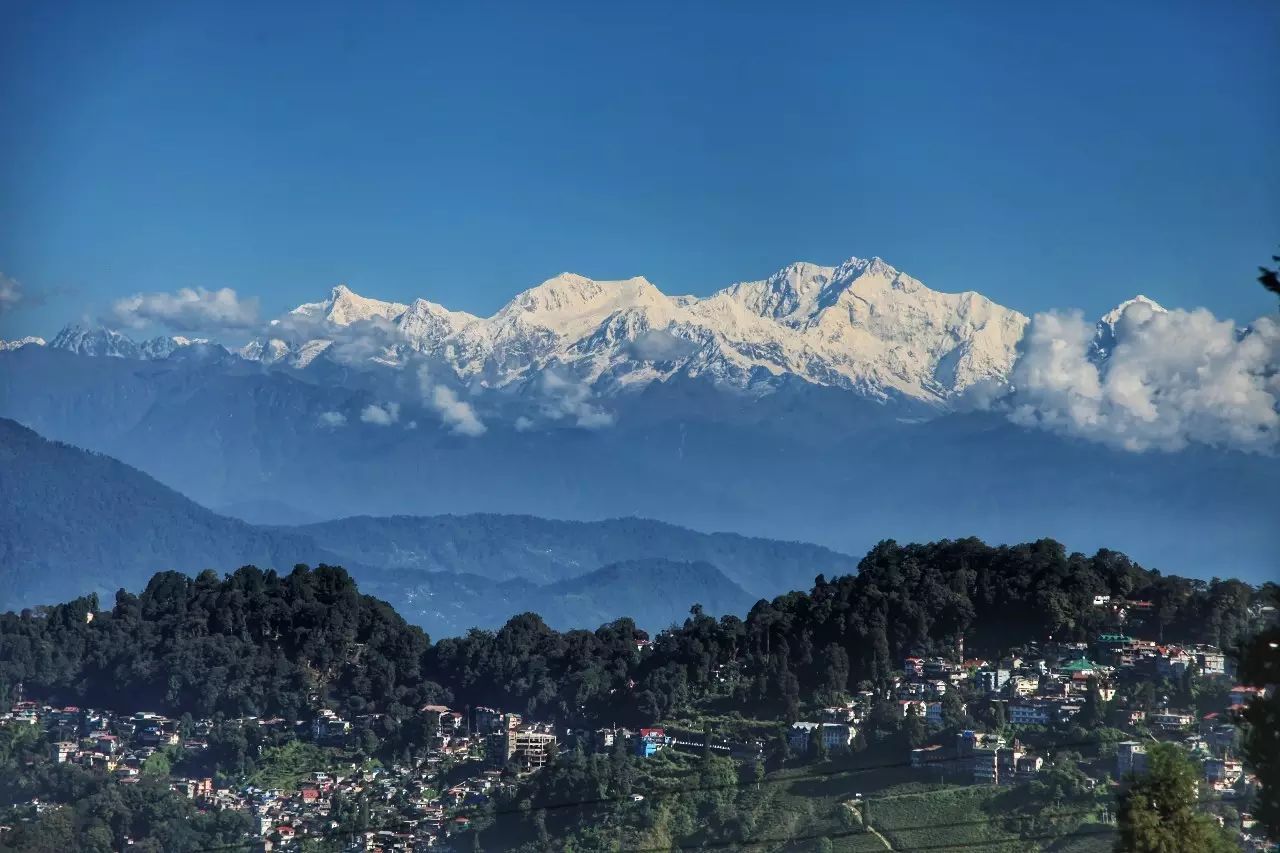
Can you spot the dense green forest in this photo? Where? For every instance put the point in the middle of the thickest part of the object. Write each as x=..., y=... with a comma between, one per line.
x=259, y=642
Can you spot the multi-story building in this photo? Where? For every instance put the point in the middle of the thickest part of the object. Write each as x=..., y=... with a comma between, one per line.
x=1171, y=720
x=1131, y=757
x=834, y=735
x=650, y=740
x=990, y=680
x=1030, y=713
x=1223, y=770
x=530, y=743
x=1211, y=660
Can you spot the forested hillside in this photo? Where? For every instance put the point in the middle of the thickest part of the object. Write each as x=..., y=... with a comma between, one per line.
x=73, y=522
x=261, y=642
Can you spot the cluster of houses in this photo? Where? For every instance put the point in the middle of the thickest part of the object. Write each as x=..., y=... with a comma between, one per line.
x=1051, y=690
x=479, y=753
x=101, y=740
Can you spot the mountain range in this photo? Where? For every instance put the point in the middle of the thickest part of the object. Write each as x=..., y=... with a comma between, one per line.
x=823, y=404
x=73, y=522
x=862, y=325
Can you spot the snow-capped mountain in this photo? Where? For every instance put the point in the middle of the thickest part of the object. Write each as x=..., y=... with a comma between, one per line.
x=1104, y=339
x=96, y=341
x=863, y=326
x=101, y=341
x=343, y=307
x=6, y=346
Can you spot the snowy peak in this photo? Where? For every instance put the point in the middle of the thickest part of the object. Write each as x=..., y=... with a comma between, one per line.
x=1112, y=317
x=1110, y=326
x=793, y=290
x=571, y=295
x=424, y=322
x=100, y=341
x=29, y=340
x=344, y=307
x=96, y=341
x=862, y=325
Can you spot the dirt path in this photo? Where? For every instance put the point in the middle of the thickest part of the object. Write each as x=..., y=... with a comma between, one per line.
x=851, y=806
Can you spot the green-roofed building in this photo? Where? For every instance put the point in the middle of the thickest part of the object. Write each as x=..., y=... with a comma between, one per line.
x=1083, y=666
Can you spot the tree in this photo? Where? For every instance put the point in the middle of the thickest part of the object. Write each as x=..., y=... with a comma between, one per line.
x=1269, y=278
x=913, y=729
x=1158, y=809
x=1093, y=714
x=1260, y=667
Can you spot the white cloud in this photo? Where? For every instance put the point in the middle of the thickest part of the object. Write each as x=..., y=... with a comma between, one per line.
x=333, y=419
x=1172, y=379
x=384, y=415
x=572, y=400
x=661, y=345
x=188, y=310
x=457, y=414
x=524, y=424
x=11, y=293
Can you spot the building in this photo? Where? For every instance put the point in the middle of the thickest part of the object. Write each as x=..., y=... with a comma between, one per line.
x=928, y=755
x=1030, y=714
x=1081, y=666
x=1171, y=720
x=986, y=766
x=1131, y=757
x=990, y=680
x=1027, y=766
x=1211, y=660
x=834, y=735
x=487, y=720
x=651, y=740
x=1174, y=663
x=531, y=744
x=1223, y=770
x=919, y=706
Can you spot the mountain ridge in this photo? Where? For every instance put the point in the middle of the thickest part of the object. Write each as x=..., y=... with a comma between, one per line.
x=862, y=325
x=74, y=522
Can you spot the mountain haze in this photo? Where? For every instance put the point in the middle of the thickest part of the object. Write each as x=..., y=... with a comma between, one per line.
x=838, y=405
x=74, y=522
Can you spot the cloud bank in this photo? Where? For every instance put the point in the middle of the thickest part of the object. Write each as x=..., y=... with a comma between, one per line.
x=332, y=419
x=1171, y=379
x=380, y=415
x=456, y=414
x=188, y=310
x=567, y=399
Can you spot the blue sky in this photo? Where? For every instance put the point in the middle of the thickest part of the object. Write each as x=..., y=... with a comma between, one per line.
x=1066, y=155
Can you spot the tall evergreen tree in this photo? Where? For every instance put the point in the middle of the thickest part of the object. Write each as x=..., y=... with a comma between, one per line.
x=1158, y=809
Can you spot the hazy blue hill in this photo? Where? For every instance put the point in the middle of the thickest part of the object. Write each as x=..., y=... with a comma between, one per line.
x=654, y=590
x=502, y=547
x=804, y=463
x=73, y=522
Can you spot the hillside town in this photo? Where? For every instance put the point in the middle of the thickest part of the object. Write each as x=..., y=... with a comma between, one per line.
x=1029, y=699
